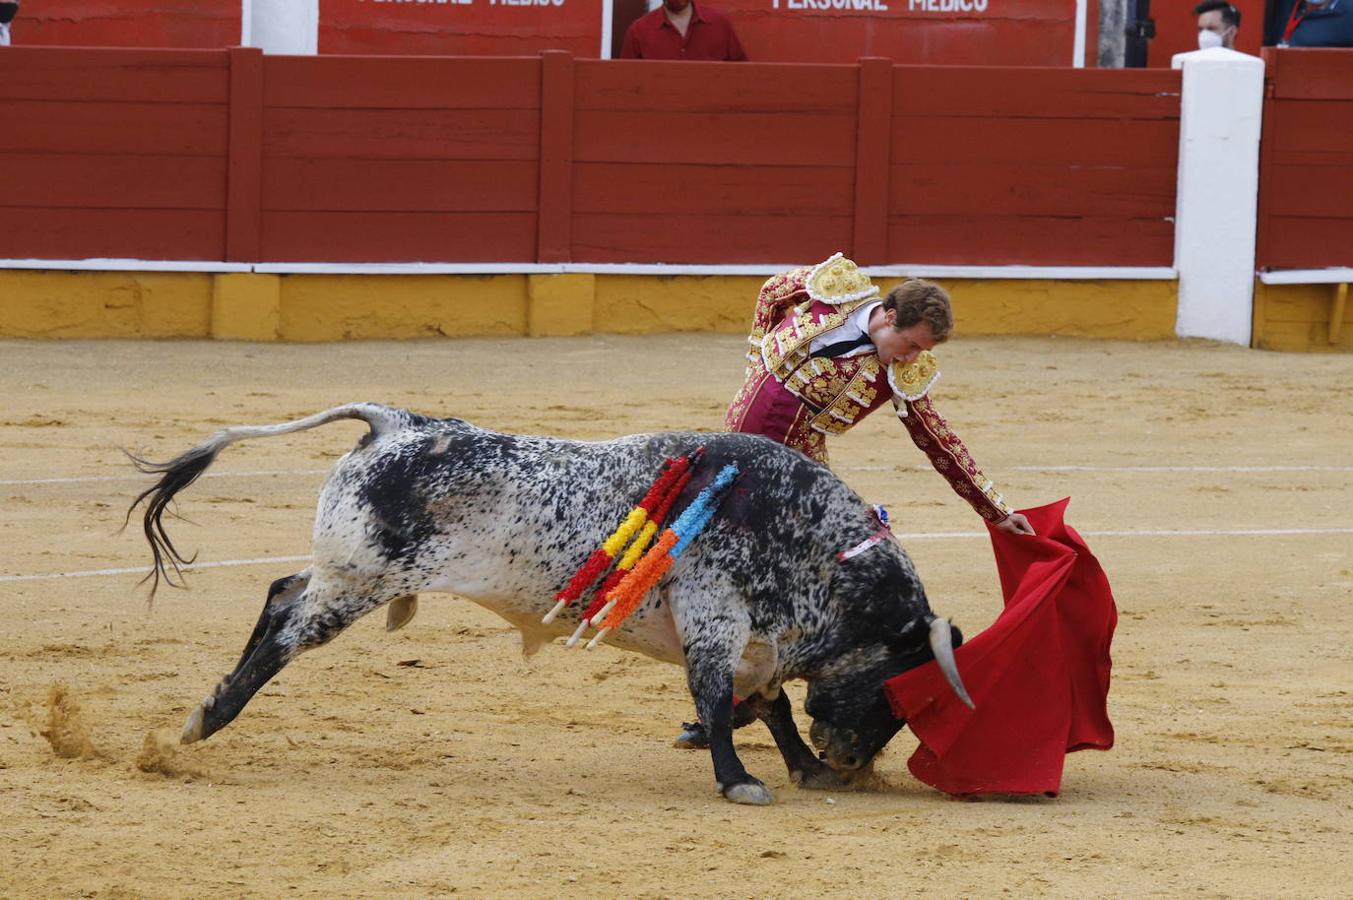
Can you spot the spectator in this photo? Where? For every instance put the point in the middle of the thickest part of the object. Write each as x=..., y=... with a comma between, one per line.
x=1318, y=23
x=1218, y=24
x=7, y=12
x=682, y=29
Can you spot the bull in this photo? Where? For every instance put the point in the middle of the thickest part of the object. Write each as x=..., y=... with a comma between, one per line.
x=440, y=505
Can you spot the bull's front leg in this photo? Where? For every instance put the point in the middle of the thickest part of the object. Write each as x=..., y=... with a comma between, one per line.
x=805, y=769
x=712, y=649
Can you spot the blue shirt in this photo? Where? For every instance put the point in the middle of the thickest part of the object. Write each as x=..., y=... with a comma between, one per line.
x=1330, y=25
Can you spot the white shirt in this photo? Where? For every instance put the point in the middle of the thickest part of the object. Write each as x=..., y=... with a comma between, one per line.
x=856, y=325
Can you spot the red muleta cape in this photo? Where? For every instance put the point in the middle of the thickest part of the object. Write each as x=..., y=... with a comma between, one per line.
x=1039, y=675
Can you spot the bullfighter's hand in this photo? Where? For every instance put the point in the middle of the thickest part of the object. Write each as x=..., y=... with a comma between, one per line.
x=1015, y=524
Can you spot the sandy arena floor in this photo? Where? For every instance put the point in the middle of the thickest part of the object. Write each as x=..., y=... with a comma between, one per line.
x=438, y=760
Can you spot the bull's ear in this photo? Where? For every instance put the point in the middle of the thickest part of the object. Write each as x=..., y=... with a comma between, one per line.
x=957, y=635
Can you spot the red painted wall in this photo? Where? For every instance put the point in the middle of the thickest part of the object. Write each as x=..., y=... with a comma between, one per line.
x=113, y=153
x=1033, y=166
x=461, y=27
x=1177, y=29
x=240, y=156
x=1306, y=160
x=936, y=32
x=128, y=23
x=380, y=159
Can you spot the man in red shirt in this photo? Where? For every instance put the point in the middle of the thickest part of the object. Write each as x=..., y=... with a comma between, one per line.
x=679, y=29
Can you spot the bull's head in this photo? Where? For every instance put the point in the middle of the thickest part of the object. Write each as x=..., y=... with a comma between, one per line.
x=852, y=719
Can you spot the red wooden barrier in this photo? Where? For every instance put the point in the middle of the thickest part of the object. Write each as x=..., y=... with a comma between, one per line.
x=183, y=24
x=741, y=163
x=1033, y=166
x=240, y=156
x=113, y=153
x=1306, y=160
x=461, y=27
x=378, y=159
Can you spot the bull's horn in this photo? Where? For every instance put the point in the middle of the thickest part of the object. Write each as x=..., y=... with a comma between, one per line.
x=942, y=645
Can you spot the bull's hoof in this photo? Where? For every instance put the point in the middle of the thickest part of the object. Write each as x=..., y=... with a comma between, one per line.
x=752, y=793
x=692, y=737
x=192, y=728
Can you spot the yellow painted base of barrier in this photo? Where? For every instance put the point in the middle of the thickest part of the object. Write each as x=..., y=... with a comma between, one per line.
x=1302, y=318
x=316, y=307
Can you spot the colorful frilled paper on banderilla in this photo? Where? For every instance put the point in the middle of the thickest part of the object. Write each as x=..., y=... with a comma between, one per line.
x=642, y=566
x=1039, y=675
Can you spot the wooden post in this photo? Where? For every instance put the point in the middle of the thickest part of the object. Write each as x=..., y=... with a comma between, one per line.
x=244, y=161
x=1337, y=311
x=1268, y=134
x=873, y=150
x=554, y=235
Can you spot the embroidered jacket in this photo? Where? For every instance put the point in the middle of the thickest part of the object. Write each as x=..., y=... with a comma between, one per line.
x=795, y=399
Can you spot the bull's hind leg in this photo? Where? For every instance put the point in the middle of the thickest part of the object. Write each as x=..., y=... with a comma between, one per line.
x=713, y=639
x=301, y=612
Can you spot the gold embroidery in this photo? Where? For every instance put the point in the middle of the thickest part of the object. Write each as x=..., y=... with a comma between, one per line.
x=839, y=280
x=914, y=379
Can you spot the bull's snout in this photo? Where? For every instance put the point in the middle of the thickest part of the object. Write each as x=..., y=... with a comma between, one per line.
x=836, y=747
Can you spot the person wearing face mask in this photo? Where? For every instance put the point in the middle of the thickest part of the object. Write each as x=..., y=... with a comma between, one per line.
x=826, y=351
x=1218, y=24
x=7, y=13
x=683, y=29
x=1317, y=23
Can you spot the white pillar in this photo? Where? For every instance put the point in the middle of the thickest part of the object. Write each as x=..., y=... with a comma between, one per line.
x=282, y=26
x=1217, y=194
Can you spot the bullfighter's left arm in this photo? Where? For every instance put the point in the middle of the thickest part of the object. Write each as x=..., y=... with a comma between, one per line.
x=951, y=459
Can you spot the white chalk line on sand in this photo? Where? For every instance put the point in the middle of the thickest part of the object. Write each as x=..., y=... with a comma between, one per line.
x=917, y=536
x=1124, y=468
x=262, y=473
x=87, y=479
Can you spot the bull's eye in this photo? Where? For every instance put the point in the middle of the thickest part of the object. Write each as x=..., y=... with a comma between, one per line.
x=819, y=734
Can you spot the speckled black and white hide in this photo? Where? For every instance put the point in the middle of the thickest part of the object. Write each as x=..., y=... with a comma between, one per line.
x=427, y=505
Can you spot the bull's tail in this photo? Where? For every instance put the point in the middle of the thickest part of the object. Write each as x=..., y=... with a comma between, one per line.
x=183, y=470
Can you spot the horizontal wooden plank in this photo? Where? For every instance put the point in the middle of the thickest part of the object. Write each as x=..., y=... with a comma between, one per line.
x=985, y=92
x=1294, y=337
x=402, y=133
x=1032, y=190
x=391, y=82
x=131, y=23
x=134, y=76
x=1312, y=305
x=1095, y=142
x=706, y=239
x=713, y=87
x=415, y=185
x=113, y=181
x=707, y=138
x=58, y=233
x=398, y=237
x=1307, y=242
x=1309, y=131
x=180, y=129
x=1031, y=240
x=683, y=189
x=1311, y=73
x=1309, y=191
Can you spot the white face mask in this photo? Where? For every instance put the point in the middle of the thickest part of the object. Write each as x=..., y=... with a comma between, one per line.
x=1208, y=39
